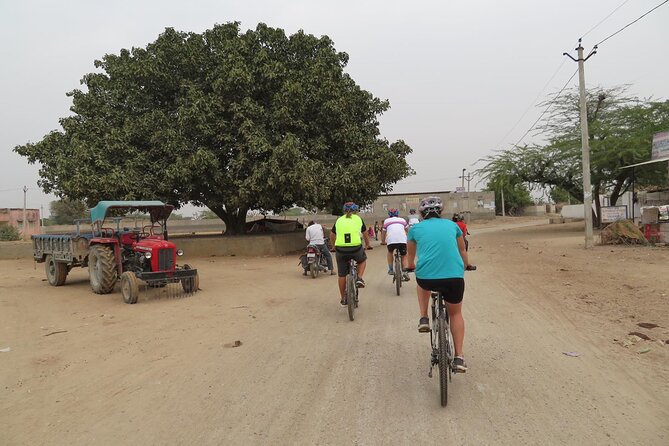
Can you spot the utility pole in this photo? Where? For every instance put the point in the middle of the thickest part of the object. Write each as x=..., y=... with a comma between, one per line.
x=503, y=213
x=463, y=178
x=25, y=192
x=469, y=179
x=585, y=146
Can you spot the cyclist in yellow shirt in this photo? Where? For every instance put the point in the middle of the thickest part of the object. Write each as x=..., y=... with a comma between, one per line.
x=346, y=236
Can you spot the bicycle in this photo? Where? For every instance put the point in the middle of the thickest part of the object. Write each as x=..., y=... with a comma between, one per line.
x=397, y=270
x=441, y=342
x=351, y=288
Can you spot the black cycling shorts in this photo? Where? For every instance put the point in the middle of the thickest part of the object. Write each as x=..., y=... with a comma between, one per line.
x=343, y=255
x=453, y=289
x=401, y=246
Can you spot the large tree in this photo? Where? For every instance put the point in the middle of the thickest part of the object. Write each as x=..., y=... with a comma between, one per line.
x=228, y=119
x=65, y=211
x=620, y=133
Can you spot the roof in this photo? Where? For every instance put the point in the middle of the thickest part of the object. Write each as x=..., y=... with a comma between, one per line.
x=156, y=208
x=646, y=162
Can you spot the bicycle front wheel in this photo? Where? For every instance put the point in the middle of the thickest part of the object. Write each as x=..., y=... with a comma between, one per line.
x=350, y=296
x=444, y=365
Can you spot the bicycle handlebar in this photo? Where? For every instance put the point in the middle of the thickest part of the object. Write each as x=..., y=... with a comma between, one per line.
x=469, y=268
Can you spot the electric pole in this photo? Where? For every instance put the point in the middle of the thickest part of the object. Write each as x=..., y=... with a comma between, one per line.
x=25, y=192
x=585, y=146
x=463, y=178
x=503, y=214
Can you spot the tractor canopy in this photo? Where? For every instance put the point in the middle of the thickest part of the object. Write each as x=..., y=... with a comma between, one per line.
x=156, y=209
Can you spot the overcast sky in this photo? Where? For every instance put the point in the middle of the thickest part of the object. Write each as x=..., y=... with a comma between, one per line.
x=458, y=75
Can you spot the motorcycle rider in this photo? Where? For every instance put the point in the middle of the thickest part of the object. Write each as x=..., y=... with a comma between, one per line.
x=347, y=236
x=395, y=235
x=413, y=218
x=315, y=236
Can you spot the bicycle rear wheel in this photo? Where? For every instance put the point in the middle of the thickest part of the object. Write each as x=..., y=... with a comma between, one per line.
x=398, y=274
x=444, y=366
x=351, y=296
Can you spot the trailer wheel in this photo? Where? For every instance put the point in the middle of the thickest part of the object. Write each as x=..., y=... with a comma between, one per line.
x=56, y=272
x=101, y=269
x=190, y=284
x=129, y=287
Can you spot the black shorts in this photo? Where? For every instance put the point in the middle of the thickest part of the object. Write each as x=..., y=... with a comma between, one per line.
x=452, y=289
x=343, y=255
x=401, y=246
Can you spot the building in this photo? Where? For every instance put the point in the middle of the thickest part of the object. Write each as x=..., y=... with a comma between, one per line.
x=473, y=205
x=14, y=217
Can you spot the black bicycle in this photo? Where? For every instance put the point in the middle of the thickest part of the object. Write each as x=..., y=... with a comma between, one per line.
x=352, y=288
x=441, y=341
x=397, y=271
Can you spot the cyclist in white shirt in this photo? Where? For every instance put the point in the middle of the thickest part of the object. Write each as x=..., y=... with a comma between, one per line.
x=316, y=237
x=395, y=236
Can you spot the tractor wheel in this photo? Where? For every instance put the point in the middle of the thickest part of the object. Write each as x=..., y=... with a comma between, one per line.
x=56, y=272
x=102, y=269
x=190, y=284
x=129, y=287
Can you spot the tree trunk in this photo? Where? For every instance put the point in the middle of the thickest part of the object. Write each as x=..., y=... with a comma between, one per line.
x=618, y=188
x=596, y=217
x=235, y=220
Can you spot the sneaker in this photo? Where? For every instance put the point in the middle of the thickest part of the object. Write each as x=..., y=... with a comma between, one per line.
x=424, y=325
x=304, y=273
x=360, y=283
x=390, y=272
x=405, y=277
x=332, y=272
x=343, y=303
x=459, y=365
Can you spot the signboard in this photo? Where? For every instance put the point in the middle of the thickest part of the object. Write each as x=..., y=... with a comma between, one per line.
x=459, y=189
x=660, y=146
x=613, y=213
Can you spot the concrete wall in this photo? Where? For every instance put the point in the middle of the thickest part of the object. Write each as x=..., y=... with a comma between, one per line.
x=474, y=205
x=535, y=210
x=14, y=217
x=572, y=211
x=202, y=246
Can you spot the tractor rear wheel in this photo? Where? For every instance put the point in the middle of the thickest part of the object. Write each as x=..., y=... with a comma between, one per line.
x=129, y=287
x=102, y=269
x=56, y=272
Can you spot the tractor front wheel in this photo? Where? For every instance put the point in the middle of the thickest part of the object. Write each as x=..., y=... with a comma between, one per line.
x=102, y=269
x=190, y=284
x=129, y=287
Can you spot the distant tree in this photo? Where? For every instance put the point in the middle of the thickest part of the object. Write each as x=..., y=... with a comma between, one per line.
x=294, y=211
x=620, y=133
x=206, y=214
x=516, y=194
x=9, y=233
x=559, y=195
x=178, y=216
x=227, y=119
x=65, y=211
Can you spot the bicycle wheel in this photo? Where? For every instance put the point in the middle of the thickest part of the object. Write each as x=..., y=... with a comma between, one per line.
x=443, y=358
x=350, y=295
x=398, y=274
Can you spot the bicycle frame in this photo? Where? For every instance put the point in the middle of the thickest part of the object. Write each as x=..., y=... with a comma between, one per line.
x=352, y=288
x=397, y=270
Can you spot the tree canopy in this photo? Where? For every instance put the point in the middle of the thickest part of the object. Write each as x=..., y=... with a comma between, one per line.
x=620, y=129
x=228, y=119
x=65, y=211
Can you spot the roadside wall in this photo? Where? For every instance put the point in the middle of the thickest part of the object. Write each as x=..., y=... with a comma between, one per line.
x=202, y=246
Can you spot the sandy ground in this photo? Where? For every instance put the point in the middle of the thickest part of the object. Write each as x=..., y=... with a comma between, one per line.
x=86, y=369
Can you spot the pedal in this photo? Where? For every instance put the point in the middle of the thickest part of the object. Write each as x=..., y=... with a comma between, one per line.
x=429, y=373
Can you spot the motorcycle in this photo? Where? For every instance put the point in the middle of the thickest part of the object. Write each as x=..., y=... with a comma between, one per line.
x=313, y=262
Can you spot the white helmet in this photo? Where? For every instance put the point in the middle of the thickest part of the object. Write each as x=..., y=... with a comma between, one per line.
x=430, y=205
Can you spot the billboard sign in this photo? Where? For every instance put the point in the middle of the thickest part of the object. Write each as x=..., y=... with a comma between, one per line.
x=459, y=189
x=613, y=213
x=660, y=146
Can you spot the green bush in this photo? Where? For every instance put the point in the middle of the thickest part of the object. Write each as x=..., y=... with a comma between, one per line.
x=9, y=233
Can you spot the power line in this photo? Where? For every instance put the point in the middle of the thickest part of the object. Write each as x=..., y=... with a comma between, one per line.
x=632, y=22
x=547, y=108
x=532, y=104
x=604, y=19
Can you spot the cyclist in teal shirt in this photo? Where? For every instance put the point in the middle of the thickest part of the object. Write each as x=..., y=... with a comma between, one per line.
x=442, y=260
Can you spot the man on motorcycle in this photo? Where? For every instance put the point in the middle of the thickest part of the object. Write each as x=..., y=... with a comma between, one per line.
x=315, y=236
x=346, y=236
x=395, y=236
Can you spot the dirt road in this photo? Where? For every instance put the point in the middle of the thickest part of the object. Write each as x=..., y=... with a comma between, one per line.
x=86, y=369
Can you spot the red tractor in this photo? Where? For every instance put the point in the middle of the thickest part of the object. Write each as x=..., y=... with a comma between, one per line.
x=135, y=255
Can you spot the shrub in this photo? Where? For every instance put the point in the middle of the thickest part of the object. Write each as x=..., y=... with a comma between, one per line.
x=9, y=233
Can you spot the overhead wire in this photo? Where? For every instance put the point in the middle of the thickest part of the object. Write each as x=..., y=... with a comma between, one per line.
x=632, y=22
x=604, y=19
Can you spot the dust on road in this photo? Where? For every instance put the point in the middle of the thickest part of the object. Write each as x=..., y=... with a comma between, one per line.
x=170, y=371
